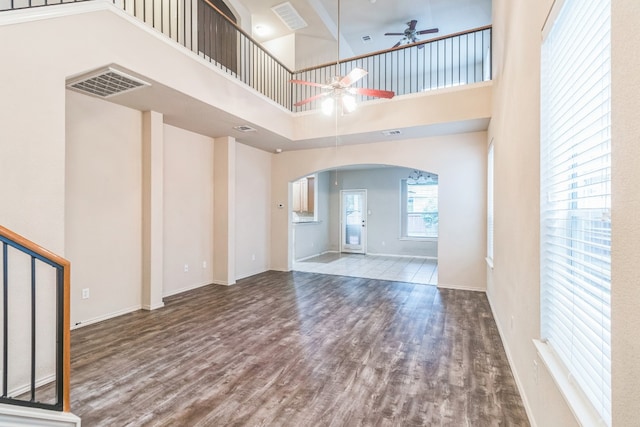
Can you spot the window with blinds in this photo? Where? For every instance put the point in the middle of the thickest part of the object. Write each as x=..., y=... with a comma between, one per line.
x=576, y=196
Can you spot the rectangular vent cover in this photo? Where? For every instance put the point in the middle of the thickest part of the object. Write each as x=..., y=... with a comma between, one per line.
x=366, y=39
x=391, y=132
x=244, y=128
x=289, y=16
x=106, y=82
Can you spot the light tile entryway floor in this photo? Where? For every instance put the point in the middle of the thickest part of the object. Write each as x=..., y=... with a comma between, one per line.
x=402, y=269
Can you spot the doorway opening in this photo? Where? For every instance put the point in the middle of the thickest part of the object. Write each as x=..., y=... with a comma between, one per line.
x=372, y=221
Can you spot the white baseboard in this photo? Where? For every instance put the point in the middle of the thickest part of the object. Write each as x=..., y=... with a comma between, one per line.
x=314, y=255
x=223, y=283
x=20, y=416
x=187, y=288
x=404, y=256
x=525, y=401
x=106, y=317
x=460, y=287
x=253, y=273
x=149, y=307
x=17, y=391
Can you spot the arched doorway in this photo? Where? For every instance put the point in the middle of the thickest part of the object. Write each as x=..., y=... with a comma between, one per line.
x=397, y=231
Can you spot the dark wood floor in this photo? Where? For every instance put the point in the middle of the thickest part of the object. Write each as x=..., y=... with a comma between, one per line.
x=298, y=349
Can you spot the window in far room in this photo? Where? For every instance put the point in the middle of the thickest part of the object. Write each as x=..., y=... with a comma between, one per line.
x=304, y=199
x=419, y=206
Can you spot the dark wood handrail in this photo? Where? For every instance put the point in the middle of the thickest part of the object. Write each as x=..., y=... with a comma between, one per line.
x=66, y=267
x=381, y=52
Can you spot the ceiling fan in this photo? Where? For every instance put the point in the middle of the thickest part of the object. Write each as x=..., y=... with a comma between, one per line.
x=410, y=34
x=339, y=88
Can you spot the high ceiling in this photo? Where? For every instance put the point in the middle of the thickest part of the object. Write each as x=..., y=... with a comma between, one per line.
x=359, y=18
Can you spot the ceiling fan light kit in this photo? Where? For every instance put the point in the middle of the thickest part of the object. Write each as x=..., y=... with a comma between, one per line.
x=339, y=89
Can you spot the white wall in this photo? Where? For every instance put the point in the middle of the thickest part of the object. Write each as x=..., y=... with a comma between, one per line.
x=103, y=207
x=460, y=162
x=312, y=238
x=253, y=213
x=188, y=210
x=284, y=49
x=384, y=203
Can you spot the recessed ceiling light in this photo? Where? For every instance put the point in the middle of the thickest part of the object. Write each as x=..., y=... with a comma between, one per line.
x=261, y=30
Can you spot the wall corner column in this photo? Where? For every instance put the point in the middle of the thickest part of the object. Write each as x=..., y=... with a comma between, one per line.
x=152, y=209
x=224, y=211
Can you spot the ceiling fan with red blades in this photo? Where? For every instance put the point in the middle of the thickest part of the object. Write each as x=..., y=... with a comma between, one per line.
x=340, y=89
x=410, y=34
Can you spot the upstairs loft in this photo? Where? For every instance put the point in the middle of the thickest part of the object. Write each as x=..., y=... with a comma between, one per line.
x=441, y=86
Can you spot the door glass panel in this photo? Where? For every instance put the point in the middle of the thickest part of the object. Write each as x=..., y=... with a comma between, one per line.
x=353, y=219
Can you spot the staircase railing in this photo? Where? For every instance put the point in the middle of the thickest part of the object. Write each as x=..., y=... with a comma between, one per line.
x=453, y=60
x=35, y=283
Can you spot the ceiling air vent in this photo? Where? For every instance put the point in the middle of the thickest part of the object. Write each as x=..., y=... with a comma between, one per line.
x=106, y=82
x=289, y=16
x=366, y=39
x=244, y=128
x=391, y=132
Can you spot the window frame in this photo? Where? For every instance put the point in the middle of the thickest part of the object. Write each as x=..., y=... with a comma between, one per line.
x=404, y=213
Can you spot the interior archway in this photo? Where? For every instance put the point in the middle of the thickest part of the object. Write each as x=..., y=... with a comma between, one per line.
x=395, y=238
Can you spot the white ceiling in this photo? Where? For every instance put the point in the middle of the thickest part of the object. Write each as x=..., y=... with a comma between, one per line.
x=372, y=18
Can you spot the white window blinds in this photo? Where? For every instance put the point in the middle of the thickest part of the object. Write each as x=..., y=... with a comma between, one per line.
x=576, y=196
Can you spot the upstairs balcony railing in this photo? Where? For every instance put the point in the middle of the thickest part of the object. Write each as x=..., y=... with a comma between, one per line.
x=200, y=26
x=453, y=60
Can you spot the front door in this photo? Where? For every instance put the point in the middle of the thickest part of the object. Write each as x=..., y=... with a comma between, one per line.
x=353, y=222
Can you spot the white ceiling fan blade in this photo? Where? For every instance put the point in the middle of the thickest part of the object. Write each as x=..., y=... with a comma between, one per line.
x=355, y=75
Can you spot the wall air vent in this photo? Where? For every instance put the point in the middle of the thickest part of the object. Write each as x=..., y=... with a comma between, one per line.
x=244, y=128
x=391, y=132
x=366, y=39
x=106, y=82
x=289, y=16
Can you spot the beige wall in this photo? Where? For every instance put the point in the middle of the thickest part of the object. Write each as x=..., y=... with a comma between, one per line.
x=103, y=238
x=626, y=203
x=312, y=238
x=460, y=162
x=253, y=211
x=514, y=283
x=188, y=210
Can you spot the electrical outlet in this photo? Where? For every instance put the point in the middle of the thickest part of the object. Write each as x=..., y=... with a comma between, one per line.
x=535, y=372
x=253, y=257
x=204, y=264
x=186, y=268
x=511, y=324
x=85, y=293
